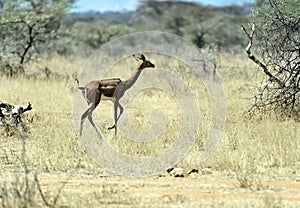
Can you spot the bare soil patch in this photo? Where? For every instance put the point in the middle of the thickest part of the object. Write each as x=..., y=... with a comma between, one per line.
x=195, y=190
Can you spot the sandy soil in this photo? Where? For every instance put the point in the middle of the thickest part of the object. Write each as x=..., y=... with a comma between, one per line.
x=192, y=190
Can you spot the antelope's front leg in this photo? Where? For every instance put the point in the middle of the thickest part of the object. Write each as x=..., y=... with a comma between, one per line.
x=115, y=116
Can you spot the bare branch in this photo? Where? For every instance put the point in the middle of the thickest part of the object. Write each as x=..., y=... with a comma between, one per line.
x=253, y=58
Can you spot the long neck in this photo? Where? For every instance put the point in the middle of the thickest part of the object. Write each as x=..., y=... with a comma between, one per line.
x=129, y=82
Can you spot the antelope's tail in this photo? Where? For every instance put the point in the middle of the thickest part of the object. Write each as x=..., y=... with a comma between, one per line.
x=77, y=81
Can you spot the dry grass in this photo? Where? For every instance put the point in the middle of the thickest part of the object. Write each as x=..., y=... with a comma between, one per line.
x=249, y=152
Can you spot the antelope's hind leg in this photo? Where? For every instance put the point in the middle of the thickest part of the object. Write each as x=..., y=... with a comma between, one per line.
x=90, y=117
x=84, y=115
x=93, y=99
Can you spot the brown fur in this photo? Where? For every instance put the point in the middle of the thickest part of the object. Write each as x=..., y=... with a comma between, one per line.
x=113, y=89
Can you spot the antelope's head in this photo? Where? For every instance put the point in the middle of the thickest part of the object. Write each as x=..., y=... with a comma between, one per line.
x=144, y=63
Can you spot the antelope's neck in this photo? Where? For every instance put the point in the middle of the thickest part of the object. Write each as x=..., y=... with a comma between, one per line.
x=129, y=82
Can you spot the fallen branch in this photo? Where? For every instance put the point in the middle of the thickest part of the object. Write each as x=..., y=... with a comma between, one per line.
x=13, y=111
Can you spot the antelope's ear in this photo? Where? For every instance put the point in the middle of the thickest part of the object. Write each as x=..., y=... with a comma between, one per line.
x=135, y=57
x=141, y=57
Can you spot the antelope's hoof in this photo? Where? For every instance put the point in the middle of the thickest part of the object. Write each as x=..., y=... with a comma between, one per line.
x=111, y=127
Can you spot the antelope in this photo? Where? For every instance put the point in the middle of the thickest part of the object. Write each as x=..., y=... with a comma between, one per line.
x=112, y=89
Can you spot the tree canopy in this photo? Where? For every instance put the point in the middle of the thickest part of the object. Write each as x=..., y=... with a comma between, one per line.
x=26, y=26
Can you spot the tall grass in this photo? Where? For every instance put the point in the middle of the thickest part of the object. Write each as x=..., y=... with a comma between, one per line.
x=264, y=146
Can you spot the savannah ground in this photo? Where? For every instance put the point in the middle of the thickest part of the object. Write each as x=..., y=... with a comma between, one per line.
x=256, y=163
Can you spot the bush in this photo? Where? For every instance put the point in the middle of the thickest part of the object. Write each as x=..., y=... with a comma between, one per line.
x=277, y=27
